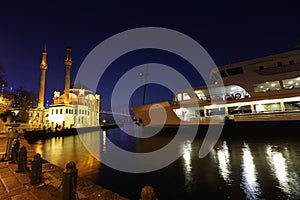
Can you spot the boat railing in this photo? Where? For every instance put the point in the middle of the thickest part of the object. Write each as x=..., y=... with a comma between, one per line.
x=274, y=116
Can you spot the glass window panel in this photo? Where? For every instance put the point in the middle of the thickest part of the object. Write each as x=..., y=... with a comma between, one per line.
x=179, y=97
x=267, y=86
x=291, y=83
x=186, y=96
x=294, y=105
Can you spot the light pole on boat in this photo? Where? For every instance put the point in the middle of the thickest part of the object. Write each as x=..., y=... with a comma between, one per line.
x=145, y=83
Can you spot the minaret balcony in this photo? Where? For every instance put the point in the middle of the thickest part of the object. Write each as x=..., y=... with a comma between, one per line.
x=68, y=63
x=43, y=66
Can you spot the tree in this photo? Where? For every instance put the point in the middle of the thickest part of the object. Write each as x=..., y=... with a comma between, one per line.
x=4, y=108
x=5, y=102
x=23, y=100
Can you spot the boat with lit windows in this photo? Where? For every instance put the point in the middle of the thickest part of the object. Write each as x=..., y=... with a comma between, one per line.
x=260, y=89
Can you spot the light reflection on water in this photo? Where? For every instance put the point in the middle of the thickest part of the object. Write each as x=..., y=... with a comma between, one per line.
x=223, y=159
x=61, y=150
x=104, y=141
x=286, y=176
x=238, y=170
x=92, y=142
x=249, y=179
x=187, y=151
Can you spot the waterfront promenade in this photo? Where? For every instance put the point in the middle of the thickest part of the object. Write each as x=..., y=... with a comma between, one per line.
x=16, y=186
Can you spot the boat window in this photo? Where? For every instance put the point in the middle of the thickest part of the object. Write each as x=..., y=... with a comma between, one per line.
x=186, y=96
x=261, y=67
x=267, y=86
x=294, y=105
x=279, y=63
x=199, y=113
x=235, y=71
x=291, y=62
x=200, y=94
x=179, y=97
x=271, y=107
x=215, y=111
x=239, y=109
x=291, y=83
x=223, y=73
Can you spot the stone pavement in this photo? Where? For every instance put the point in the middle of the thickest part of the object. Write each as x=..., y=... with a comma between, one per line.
x=16, y=186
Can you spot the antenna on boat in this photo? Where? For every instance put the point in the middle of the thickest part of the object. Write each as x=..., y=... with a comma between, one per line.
x=145, y=83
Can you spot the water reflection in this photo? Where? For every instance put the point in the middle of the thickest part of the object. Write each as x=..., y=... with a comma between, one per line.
x=60, y=150
x=92, y=143
x=39, y=148
x=249, y=179
x=287, y=178
x=187, y=151
x=238, y=170
x=223, y=158
x=104, y=141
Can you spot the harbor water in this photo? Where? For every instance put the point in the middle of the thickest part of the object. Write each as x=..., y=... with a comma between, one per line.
x=248, y=168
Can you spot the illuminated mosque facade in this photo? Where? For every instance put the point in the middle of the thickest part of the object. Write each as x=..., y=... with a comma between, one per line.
x=77, y=107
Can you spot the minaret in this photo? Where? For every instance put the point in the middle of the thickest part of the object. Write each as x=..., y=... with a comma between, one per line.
x=68, y=63
x=43, y=67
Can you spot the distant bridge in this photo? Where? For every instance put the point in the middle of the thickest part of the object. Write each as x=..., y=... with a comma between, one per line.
x=115, y=113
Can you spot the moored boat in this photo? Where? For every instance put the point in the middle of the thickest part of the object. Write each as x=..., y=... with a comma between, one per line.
x=260, y=89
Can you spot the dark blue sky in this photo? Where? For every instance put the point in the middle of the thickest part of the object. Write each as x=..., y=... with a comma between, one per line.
x=230, y=32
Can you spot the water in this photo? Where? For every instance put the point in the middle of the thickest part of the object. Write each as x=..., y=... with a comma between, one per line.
x=234, y=169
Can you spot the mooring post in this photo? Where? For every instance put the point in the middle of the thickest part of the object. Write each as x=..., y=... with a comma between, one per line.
x=148, y=193
x=15, y=151
x=10, y=138
x=36, y=170
x=22, y=161
x=70, y=182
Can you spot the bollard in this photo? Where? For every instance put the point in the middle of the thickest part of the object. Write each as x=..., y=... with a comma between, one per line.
x=36, y=170
x=70, y=182
x=22, y=161
x=147, y=193
x=15, y=151
x=10, y=138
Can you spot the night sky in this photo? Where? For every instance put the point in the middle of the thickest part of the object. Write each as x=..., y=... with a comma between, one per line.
x=230, y=32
